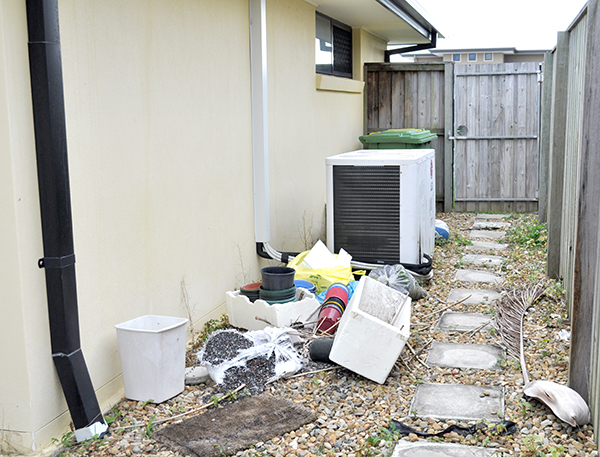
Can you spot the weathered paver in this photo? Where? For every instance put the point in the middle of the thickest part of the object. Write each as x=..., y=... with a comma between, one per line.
x=490, y=225
x=463, y=322
x=492, y=216
x=424, y=448
x=477, y=276
x=486, y=246
x=458, y=401
x=487, y=234
x=459, y=355
x=481, y=259
x=473, y=296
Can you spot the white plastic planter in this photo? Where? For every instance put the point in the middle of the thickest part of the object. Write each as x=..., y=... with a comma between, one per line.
x=243, y=313
x=364, y=342
x=152, y=350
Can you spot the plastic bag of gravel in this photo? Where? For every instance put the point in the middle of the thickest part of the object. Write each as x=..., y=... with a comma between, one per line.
x=227, y=349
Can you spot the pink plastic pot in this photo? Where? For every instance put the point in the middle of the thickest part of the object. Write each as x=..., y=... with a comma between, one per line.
x=338, y=290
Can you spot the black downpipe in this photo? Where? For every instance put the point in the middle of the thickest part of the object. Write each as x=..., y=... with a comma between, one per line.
x=417, y=47
x=55, y=207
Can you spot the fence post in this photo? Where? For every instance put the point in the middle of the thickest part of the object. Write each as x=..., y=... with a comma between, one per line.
x=546, y=117
x=557, y=133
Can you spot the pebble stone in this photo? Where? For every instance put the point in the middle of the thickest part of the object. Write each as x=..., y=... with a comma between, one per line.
x=352, y=410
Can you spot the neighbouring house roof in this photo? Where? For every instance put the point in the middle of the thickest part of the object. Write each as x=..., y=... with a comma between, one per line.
x=441, y=52
x=396, y=21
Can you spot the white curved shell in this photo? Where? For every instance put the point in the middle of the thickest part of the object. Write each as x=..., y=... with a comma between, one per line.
x=564, y=402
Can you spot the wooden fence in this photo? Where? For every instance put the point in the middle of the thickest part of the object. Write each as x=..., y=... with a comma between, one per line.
x=415, y=96
x=570, y=172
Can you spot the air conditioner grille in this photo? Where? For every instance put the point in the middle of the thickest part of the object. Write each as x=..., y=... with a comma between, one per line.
x=366, y=206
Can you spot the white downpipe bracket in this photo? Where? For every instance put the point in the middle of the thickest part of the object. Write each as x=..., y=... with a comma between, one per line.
x=260, y=120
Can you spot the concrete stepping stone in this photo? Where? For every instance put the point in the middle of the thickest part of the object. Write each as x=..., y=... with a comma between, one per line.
x=492, y=216
x=463, y=322
x=486, y=246
x=490, y=225
x=487, y=234
x=459, y=355
x=477, y=276
x=475, y=296
x=458, y=402
x=481, y=259
x=424, y=448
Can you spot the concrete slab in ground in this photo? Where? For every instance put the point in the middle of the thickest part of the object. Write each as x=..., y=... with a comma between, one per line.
x=463, y=322
x=487, y=234
x=486, y=246
x=477, y=276
x=480, y=259
x=476, y=296
x=424, y=448
x=458, y=401
x=458, y=355
x=492, y=216
x=490, y=225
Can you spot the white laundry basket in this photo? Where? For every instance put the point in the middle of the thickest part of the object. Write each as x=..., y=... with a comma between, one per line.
x=152, y=350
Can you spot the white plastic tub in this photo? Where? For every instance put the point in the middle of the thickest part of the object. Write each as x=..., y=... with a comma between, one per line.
x=373, y=330
x=152, y=350
x=243, y=313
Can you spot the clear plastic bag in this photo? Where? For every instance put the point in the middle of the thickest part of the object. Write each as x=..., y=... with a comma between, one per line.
x=277, y=341
x=399, y=279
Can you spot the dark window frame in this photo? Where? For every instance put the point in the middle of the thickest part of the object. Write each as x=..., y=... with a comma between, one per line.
x=341, y=34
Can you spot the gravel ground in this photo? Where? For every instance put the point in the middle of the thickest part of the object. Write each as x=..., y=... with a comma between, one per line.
x=352, y=410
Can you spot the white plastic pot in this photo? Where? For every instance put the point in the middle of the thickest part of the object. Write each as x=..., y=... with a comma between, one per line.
x=152, y=350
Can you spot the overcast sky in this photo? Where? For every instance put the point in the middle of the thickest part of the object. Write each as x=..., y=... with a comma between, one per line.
x=521, y=24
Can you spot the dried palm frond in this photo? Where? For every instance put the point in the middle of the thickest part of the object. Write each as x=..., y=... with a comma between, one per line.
x=566, y=404
x=510, y=311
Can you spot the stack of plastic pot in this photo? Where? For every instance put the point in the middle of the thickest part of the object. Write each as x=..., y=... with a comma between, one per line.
x=334, y=305
x=277, y=285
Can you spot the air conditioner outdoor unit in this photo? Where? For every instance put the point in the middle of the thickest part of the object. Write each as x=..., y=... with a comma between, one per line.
x=381, y=205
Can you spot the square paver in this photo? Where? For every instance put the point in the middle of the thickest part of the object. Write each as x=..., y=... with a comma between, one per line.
x=473, y=296
x=487, y=234
x=490, y=225
x=459, y=355
x=486, y=246
x=483, y=260
x=458, y=401
x=492, y=216
x=424, y=448
x=463, y=322
x=477, y=276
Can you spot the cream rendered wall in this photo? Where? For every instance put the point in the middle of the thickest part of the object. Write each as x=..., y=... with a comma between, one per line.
x=306, y=125
x=157, y=101
x=158, y=120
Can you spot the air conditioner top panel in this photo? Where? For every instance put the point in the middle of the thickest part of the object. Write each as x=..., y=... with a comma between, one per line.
x=370, y=157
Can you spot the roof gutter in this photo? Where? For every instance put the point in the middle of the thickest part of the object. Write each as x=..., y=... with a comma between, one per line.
x=414, y=48
x=57, y=224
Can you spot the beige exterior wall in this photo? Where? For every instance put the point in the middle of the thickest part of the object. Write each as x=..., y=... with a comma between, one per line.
x=158, y=114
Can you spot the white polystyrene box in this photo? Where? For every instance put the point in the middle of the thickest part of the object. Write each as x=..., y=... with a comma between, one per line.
x=366, y=344
x=152, y=351
x=242, y=312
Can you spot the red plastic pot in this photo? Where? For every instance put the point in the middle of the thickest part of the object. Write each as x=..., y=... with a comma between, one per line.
x=328, y=318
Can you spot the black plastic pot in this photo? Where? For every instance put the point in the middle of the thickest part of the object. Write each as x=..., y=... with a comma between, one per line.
x=277, y=278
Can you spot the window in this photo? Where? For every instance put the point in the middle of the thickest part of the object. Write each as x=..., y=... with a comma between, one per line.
x=472, y=57
x=333, y=47
x=488, y=56
x=456, y=57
